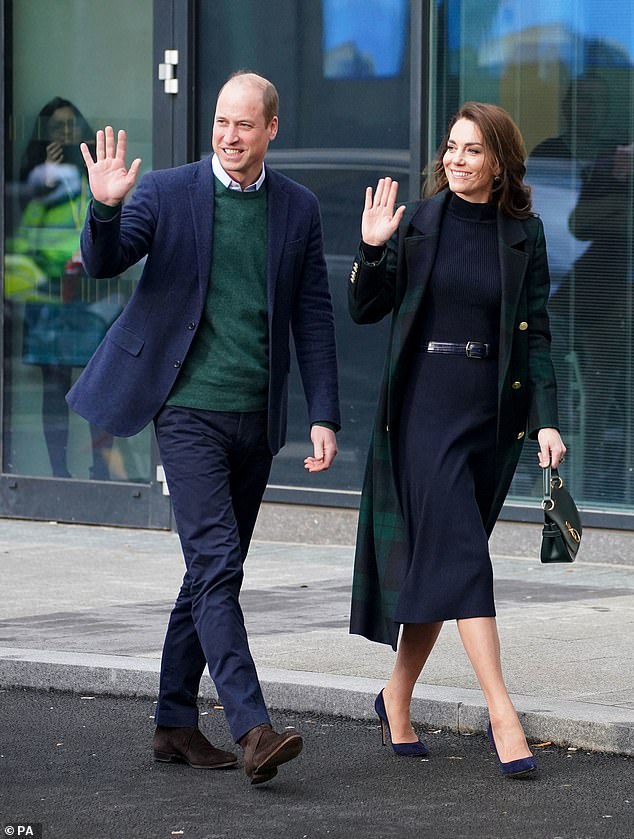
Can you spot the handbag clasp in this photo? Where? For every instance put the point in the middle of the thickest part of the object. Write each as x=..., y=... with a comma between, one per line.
x=574, y=533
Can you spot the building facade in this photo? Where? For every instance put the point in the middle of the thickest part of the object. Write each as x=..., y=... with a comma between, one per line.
x=367, y=88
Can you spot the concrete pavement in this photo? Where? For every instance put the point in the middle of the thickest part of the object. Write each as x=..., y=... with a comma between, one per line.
x=85, y=608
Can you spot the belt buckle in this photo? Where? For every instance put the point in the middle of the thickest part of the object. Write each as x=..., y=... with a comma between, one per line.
x=474, y=349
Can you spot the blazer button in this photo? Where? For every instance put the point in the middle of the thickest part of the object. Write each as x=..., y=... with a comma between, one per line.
x=516, y=385
x=191, y=325
x=523, y=326
x=520, y=436
x=177, y=364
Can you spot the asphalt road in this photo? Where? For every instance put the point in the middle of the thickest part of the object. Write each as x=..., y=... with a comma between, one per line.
x=82, y=769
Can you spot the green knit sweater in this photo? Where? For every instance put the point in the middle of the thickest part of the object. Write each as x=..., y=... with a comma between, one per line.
x=227, y=365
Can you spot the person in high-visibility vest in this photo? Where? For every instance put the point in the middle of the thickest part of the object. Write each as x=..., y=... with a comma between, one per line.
x=59, y=332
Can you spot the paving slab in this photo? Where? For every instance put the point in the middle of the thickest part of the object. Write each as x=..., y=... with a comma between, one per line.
x=84, y=608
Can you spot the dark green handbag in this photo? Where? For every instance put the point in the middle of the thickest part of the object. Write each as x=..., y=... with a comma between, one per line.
x=562, y=531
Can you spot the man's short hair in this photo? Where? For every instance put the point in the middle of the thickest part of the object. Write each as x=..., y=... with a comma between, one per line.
x=270, y=97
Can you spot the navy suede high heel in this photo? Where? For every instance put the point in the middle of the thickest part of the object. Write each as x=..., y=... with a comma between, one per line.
x=513, y=768
x=417, y=749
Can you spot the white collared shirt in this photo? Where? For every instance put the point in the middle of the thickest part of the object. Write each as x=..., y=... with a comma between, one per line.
x=229, y=182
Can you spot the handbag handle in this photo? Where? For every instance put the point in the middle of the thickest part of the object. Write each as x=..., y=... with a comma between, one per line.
x=549, y=476
x=547, y=500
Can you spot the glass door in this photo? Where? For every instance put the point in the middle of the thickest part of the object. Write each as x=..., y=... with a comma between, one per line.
x=70, y=67
x=347, y=83
x=565, y=71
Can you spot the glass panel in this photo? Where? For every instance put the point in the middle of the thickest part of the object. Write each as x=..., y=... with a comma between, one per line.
x=71, y=69
x=294, y=45
x=342, y=71
x=363, y=38
x=564, y=70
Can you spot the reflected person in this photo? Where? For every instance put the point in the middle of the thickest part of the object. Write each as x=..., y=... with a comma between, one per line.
x=584, y=113
x=589, y=303
x=595, y=300
x=58, y=333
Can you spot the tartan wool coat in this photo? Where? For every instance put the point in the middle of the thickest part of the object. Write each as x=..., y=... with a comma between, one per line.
x=527, y=399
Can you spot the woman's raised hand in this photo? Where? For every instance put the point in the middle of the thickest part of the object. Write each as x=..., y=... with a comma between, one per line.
x=379, y=221
x=109, y=179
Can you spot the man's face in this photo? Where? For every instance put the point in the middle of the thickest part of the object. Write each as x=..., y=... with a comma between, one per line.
x=240, y=136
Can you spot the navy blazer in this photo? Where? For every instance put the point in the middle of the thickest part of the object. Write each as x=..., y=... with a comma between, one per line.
x=169, y=219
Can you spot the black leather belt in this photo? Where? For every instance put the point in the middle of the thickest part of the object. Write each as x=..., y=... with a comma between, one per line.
x=472, y=349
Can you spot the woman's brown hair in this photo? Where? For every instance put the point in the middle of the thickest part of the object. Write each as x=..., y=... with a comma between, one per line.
x=505, y=149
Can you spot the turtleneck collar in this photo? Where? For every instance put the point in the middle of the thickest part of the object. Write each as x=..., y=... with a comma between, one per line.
x=470, y=211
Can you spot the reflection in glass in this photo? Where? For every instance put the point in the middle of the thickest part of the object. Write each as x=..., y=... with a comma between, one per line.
x=361, y=352
x=54, y=314
x=61, y=325
x=349, y=109
x=566, y=72
x=364, y=38
x=591, y=294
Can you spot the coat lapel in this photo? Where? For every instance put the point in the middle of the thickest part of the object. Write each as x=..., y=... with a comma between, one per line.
x=417, y=252
x=513, y=264
x=201, y=198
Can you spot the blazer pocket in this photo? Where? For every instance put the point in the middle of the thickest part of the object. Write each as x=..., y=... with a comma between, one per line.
x=294, y=247
x=126, y=339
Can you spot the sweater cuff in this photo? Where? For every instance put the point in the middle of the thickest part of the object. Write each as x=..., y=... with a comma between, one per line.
x=104, y=212
x=331, y=426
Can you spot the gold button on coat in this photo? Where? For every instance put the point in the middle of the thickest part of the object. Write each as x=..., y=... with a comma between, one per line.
x=523, y=326
x=516, y=385
x=520, y=436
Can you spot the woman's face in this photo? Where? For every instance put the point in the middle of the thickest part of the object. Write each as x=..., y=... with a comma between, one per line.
x=63, y=127
x=469, y=173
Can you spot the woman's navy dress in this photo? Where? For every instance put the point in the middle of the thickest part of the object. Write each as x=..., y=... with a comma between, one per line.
x=447, y=432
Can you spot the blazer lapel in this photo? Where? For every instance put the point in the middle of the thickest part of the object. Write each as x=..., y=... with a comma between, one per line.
x=277, y=211
x=201, y=199
x=513, y=265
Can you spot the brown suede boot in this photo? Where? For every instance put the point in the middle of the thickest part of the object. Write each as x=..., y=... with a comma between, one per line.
x=265, y=750
x=186, y=744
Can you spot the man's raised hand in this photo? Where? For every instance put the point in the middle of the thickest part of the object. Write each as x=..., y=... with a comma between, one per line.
x=109, y=179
